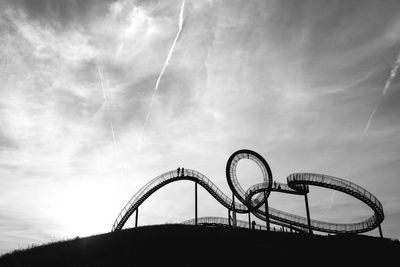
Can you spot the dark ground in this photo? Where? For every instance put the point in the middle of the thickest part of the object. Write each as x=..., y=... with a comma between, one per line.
x=184, y=245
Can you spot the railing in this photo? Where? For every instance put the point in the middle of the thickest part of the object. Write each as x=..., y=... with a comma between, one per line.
x=239, y=223
x=252, y=200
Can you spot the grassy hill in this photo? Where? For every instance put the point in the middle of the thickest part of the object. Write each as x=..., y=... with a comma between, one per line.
x=184, y=245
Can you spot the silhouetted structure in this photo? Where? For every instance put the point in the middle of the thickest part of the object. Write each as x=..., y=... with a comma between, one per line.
x=255, y=199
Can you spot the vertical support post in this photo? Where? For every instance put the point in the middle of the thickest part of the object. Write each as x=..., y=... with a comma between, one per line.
x=195, y=203
x=137, y=217
x=233, y=210
x=229, y=217
x=308, y=214
x=249, y=221
x=380, y=230
x=266, y=212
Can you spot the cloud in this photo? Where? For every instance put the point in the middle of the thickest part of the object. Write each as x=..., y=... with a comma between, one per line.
x=296, y=82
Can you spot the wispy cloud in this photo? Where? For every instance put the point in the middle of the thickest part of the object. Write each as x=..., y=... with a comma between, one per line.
x=169, y=56
x=84, y=83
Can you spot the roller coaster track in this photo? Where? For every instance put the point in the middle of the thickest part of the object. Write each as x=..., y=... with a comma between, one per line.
x=219, y=221
x=253, y=199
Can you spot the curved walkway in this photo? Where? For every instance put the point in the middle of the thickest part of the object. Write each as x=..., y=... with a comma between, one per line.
x=220, y=221
x=254, y=198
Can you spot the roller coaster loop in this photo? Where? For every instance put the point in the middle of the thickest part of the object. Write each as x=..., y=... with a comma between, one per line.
x=255, y=199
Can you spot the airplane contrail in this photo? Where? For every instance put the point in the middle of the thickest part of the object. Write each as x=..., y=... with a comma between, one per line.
x=369, y=121
x=392, y=75
x=109, y=120
x=101, y=82
x=169, y=56
x=105, y=104
x=171, y=50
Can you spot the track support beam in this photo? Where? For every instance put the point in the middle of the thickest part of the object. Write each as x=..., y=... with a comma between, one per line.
x=195, y=203
x=233, y=210
x=137, y=217
x=266, y=212
x=380, y=230
x=308, y=215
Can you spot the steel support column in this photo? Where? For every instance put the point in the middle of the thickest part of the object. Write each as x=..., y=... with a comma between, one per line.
x=266, y=211
x=195, y=203
x=380, y=230
x=229, y=217
x=308, y=214
x=137, y=217
x=249, y=221
x=233, y=210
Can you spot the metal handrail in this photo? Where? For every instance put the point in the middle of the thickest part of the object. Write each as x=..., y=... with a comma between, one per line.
x=238, y=223
x=252, y=200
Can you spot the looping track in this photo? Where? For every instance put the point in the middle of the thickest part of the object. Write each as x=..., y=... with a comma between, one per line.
x=253, y=199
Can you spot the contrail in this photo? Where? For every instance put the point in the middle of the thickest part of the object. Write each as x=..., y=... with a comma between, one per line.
x=105, y=104
x=392, y=75
x=331, y=199
x=101, y=83
x=169, y=56
x=369, y=121
x=333, y=194
x=110, y=121
x=171, y=50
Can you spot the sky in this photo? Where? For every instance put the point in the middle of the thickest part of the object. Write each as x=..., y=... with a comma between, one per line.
x=99, y=97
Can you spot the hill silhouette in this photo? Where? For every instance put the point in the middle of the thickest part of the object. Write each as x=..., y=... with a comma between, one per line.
x=188, y=245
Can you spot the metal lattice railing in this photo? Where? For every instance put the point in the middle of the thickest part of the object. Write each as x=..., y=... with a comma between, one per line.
x=252, y=199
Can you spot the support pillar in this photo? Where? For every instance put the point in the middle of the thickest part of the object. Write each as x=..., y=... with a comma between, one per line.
x=249, y=221
x=195, y=203
x=233, y=210
x=380, y=230
x=137, y=217
x=229, y=217
x=308, y=214
x=266, y=212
